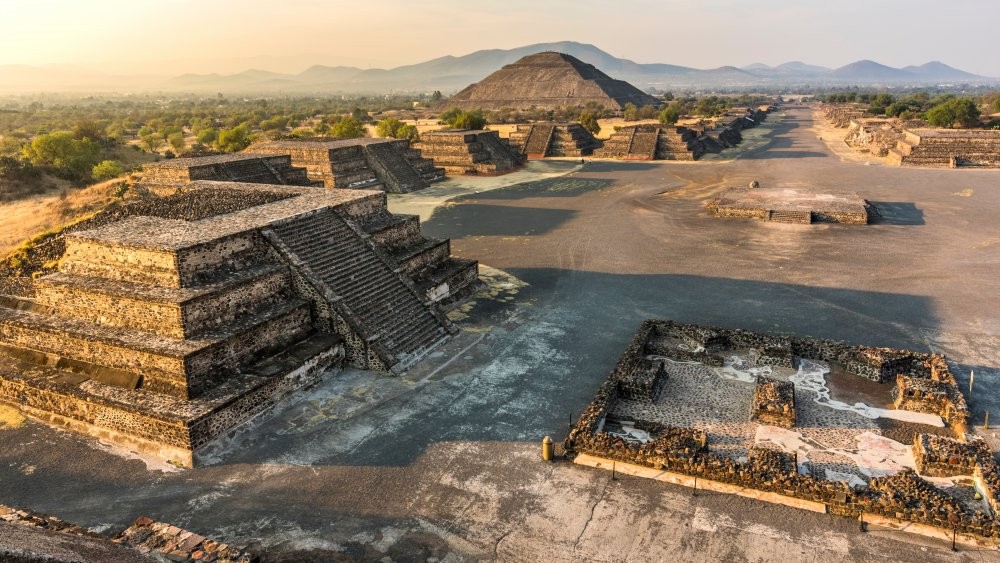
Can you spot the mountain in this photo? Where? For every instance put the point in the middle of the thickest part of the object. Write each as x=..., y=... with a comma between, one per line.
x=801, y=67
x=940, y=72
x=452, y=73
x=868, y=71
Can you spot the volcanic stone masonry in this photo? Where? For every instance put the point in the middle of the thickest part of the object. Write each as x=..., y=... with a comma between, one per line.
x=167, y=176
x=774, y=402
x=653, y=142
x=952, y=148
x=903, y=496
x=162, y=331
x=539, y=140
x=471, y=152
x=391, y=165
x=790, y=205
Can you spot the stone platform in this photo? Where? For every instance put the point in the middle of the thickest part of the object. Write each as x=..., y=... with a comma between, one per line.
x=167, y=176
x=951, y=148
x=166, y=329
x=391, y=165
x=539, y=140
x=790, y=205
x=473, y=152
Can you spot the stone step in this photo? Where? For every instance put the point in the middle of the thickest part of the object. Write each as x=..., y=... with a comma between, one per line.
x=180, y=368
x=377, y=298
x=164, y=311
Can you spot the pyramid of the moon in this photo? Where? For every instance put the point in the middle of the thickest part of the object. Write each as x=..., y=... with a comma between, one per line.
x=549, y=80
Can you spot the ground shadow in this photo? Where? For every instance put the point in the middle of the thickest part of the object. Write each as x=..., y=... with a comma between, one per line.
x=897, y=213
x=562, y=186
x=486, y=219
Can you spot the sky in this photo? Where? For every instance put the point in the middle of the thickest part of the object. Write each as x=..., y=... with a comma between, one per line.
x=170, y=37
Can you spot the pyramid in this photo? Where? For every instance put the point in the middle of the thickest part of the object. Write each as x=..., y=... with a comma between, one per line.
x=549, y=80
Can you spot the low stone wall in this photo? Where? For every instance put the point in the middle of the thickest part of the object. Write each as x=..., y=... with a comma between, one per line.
x=165, y=542
x=902, y=496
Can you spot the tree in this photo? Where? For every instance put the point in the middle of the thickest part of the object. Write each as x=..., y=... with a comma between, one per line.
x=152, y=141
x=388, y=127
x=176, y=140
x=207, y=136
x=107, y=169
x=461, y=119
x=630, y=112
x=589, y=122
x=71, y=158
x=670, y=114
x=348, y=128
x=996, y=104
x=667, y=96
x=360, y=115
x=436, y=96
x=956, y=111
x=234, y=139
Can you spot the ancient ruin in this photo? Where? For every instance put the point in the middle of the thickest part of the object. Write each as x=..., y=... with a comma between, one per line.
x=473, y=152
x=791, y=205
x=539, y=140
x=785, y=416
x=166, y=176
x=549, y=80
x=653, y=142
x=192, y=315
x=391, y=165
x=952, y=148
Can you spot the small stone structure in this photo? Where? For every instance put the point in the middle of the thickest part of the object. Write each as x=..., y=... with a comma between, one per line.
x=653, y=142
x=539, y=140
x=690, y=451
x=773, y=402
x=166, y=176
x=952, y=148
x=391, y=165
x=788, y=205
x=938, y=456
x=876, y=136
x=471, y=152
x=840, y=115
x=549, y=80
x=162, y=331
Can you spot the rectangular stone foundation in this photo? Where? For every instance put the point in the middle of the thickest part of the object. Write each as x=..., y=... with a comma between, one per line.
x=786, y=205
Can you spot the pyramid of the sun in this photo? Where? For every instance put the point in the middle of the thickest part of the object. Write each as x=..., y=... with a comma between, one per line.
x=549, y=80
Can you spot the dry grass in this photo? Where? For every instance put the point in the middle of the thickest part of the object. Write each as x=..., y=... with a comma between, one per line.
x=23, y=219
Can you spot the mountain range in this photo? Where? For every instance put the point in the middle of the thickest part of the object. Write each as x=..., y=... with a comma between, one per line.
x=451, y=73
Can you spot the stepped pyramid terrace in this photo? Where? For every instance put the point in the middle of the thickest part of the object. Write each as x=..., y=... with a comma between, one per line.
x=391, y=165
x=652, y=142
x=539, y=140
x=167, y=175
x=164, y=330
x=472, y=152
x=952, y=148
x=549, y=80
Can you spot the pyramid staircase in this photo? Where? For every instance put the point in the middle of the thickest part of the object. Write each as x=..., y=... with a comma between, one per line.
x=379, y=304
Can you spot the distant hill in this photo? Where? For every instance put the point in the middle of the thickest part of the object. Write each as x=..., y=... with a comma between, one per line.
x=452, y=73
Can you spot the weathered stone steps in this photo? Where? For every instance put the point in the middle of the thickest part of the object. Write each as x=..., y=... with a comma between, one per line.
x=384, y=308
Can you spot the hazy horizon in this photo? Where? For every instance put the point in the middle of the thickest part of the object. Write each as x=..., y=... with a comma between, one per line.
x=174, y=37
